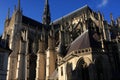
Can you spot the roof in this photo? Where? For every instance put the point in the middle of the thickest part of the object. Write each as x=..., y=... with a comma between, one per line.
x=74, y=13
x=31, y=22
x=80, y=42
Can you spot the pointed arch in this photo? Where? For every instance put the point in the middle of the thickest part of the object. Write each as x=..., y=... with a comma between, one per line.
x=81, y=70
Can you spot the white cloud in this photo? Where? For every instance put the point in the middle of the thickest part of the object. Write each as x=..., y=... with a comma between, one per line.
x=103, y=3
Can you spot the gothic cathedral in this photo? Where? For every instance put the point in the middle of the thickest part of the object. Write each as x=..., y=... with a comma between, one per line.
x=81, y=45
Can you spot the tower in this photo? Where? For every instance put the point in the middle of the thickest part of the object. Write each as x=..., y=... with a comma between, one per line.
x=16, y=21
x=13, y=31
x=46, y=15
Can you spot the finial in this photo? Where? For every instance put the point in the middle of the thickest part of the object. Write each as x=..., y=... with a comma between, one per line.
x=111, y=16
x=43, y=31
x=112, y=20
x=51, y=33
x=61, y=28
x=102, y=17
x=52, y=26
x=99, y=15
x=92, y=14
x=53, y=30
x=41, y=37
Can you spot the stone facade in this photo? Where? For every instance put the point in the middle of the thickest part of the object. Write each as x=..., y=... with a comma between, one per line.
x=80, y=45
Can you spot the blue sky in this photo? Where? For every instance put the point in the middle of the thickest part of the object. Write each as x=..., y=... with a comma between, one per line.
x=59, y=8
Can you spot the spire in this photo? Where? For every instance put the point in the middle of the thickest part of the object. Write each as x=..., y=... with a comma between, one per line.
x=111, y=16
x=14, y=7
x=18, y=8
x=46, y=14
x=46, y=2
x=112, y=20
x=8, y=14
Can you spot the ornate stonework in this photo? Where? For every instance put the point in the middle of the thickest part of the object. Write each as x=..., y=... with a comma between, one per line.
x=80, y=45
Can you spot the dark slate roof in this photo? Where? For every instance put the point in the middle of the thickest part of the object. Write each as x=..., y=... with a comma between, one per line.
x=31, y=22
x=80, y=42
